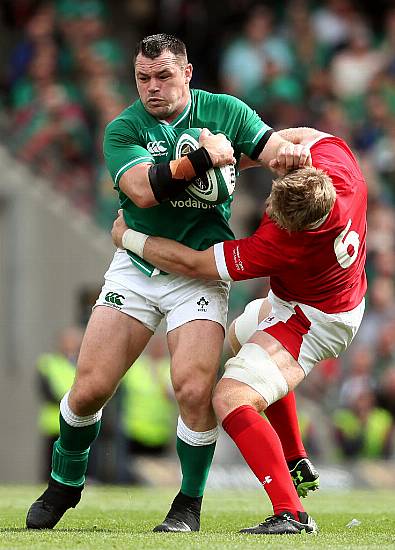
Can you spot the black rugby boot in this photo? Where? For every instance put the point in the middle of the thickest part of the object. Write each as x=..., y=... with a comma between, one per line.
x=284, y=524
x=183, y=516
x=305, y=476
x=48, y=509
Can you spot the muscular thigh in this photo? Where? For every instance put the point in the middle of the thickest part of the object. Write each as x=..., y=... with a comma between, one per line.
x=112, y=342
x=262, y=372
x=195, y=350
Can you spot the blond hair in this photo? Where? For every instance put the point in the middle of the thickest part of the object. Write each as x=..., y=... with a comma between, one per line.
x=301, y=199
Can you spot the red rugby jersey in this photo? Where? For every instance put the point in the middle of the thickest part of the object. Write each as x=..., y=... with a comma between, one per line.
x=324, y=267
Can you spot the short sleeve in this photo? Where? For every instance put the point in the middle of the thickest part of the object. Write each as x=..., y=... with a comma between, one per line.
x=247, y=258
x=121, y=149
x=250, y=130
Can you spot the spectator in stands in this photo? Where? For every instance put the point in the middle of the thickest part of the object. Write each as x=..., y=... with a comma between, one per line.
x=380, y=312
x=39, y=34
x=333, y=22
x=55, y=375
x=353, y=68
x=248, y=60
x=385, y=348
x=388, y=45
x=362, y=430
x=148, y=406
x=359, y=375
x=381, y=223
x=386, y=391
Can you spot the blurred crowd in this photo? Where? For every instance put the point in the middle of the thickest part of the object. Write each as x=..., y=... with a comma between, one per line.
x=328, y=64
x=139, y=420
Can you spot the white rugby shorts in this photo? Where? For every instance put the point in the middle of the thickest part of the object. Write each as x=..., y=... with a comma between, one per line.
x=149, y=299
x=308, y=334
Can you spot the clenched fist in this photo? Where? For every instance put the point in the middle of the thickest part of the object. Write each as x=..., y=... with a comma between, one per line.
x=218, y=147
x=290, y=156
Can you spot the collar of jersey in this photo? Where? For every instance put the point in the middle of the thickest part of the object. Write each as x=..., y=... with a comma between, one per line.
x=180, y=117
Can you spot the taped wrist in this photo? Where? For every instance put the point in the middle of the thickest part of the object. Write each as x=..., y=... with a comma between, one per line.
x=134, y=241
x=168, y=180
x=200, y=160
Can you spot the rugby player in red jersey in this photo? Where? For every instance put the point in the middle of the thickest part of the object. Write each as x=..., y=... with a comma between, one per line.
x=312, y=244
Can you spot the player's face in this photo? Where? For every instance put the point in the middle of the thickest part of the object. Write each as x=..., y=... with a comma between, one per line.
x=163, y=85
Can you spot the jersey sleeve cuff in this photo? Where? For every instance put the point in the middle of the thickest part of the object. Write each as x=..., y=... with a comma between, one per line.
x=130, y=164
x=220, y=261
x=261, y=144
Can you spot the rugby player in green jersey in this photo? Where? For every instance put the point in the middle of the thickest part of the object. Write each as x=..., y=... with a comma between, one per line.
x=138, y=147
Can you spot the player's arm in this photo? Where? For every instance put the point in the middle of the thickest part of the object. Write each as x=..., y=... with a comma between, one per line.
x=248, y=258
x=279, y=154
x=297, y=145
x=246, y=162
x=150, y=184
x=285, y=154
x=302, y=135
x=279, y=150
x=255, y=139
x=166, y=254
x=297, y=156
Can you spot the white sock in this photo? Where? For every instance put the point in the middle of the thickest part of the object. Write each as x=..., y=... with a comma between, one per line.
x=73, y=419
x=196, y=439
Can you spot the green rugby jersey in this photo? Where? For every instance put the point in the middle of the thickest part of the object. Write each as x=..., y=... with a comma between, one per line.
x=135, y=137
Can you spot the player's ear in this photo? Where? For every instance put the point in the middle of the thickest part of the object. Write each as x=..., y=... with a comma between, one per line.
x=188, y=73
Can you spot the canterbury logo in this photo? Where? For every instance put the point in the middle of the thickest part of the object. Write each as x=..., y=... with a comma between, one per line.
x=156, y=148
x=114, y=298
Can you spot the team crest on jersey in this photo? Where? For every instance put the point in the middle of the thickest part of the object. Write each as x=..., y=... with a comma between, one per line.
x=202, y=303
x=157, y=148
x=185, y=149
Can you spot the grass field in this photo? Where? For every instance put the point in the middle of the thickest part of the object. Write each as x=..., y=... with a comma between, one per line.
x=110, y=518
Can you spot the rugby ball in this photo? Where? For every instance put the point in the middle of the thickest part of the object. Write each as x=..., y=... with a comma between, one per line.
x=218, y=184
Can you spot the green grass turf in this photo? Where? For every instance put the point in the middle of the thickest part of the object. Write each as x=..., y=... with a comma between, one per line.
x=110, y=518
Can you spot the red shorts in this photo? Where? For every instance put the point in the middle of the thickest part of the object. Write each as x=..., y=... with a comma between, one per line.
x=310, y=335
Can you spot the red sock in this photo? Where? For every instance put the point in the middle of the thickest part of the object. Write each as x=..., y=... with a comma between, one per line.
x=283, y=417
x=261, y=449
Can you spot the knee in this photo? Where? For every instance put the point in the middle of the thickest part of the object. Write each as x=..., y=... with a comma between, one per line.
x=231, y=394
x=251, y=378
x=88, y=398
x=221, y=401
x=194, y=395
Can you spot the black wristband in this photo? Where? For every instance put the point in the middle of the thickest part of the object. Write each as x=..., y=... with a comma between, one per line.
x=163, y=185
x=200, y=160
x=261, y=144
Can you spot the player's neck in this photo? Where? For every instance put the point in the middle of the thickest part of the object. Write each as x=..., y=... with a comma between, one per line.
x=180, y=109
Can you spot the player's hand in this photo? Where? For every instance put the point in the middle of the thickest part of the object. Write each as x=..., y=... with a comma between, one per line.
x=290, y=156
x=218, y=147
x=118, y=229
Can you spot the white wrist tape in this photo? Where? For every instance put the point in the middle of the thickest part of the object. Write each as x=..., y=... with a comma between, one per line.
x=134, y=241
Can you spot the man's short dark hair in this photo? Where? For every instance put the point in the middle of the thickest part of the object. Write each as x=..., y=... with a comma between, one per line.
x=152, y=46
